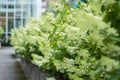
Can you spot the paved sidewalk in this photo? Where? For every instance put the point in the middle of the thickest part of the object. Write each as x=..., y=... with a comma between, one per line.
x=10, y=69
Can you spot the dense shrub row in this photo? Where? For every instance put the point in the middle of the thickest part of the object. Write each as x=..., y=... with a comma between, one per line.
x=71, y=44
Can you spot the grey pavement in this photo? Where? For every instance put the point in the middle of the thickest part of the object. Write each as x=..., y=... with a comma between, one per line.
x=10, y=68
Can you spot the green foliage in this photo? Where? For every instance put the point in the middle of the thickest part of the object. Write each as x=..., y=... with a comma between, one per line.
x=1, y=31
x=110, y=9
x=31, y=38
x=72, y=42
x=112, y=15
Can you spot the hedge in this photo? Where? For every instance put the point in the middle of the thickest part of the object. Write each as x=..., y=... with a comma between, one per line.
x=71, y=44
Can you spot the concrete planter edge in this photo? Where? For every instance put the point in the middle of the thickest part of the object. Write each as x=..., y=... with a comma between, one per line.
x=32, y=72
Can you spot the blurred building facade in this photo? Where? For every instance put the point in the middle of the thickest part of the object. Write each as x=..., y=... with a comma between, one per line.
x=15, y=13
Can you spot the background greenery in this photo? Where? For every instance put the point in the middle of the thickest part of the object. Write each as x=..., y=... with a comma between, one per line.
x=1, y=31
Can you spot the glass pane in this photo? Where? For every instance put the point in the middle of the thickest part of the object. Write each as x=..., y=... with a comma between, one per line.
x=2, y=6
x=33, y=10
x=10, y=24
x=26, y=10
x=3, y=23
x=18, y=14
x=2, y=14
x=18, y=22
x=11, y=14
x=18, y=6
x=10, y=6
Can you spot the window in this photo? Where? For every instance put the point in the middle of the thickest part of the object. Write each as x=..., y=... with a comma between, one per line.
x=18, y=22
x=10, y=14
x=18, y=14
x=2, y=22
x=10, y=24
x=10, y=6
x=2, y=6
x=2, y=14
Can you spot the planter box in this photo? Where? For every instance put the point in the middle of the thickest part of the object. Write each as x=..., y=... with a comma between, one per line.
x=32, y=72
